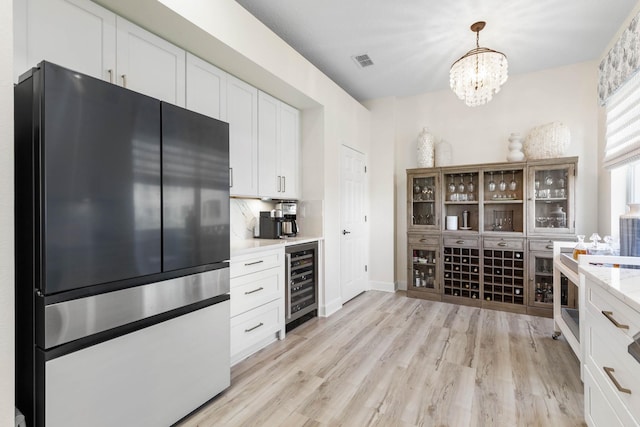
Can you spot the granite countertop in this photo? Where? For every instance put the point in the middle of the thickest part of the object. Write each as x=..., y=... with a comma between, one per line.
x=242, y=247
x=623, y=283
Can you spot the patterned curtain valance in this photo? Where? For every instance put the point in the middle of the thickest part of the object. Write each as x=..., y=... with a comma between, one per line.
x=621, y=62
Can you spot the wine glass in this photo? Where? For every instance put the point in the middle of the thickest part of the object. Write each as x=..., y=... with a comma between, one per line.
x=513, y=184
x=461, y=186
x=492, y=184
x=452, y=185
x=470, y=185
x=502, y=185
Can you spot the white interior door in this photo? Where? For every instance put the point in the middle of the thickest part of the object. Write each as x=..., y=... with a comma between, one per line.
x=353, y=250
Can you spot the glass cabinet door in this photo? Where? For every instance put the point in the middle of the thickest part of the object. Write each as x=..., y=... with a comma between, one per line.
x=552, y=199
x=541, y=283
x=423, y=269
x=423, y=201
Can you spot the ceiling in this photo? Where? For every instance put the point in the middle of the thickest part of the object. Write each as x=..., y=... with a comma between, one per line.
x=413, y=43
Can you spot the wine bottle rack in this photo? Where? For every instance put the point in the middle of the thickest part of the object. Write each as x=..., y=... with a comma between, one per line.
x=461, y=268
x=504, y=273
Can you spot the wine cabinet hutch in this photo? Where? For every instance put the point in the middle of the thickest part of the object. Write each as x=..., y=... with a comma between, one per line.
x=482, y=235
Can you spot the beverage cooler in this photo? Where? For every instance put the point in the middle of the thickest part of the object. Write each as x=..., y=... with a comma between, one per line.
x=301, y=290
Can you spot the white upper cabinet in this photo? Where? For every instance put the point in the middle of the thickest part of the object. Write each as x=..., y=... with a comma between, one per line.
x=278, y=142
x=206, y=88
x=149, y=64
x=75, y=34
x=242, y=115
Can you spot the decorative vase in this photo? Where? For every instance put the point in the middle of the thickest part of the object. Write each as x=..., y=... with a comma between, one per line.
x=515, y=148
x=426, y=149
x=630, y=231
x=547, y=141
x=443, y=154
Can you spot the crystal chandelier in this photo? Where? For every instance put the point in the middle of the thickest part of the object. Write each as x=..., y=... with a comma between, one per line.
x=479, y=73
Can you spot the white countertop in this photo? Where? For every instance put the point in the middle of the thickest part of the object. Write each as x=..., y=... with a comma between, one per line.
x=623, y=283
x=242, y=247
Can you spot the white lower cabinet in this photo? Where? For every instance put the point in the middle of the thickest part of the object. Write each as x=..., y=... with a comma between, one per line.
x=257, y=302
x=612, y=375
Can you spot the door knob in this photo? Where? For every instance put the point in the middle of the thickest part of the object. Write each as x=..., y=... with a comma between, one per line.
x=345, y=232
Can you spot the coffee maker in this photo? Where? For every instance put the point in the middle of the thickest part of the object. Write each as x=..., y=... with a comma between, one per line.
x=289, y=224
x=270, y=224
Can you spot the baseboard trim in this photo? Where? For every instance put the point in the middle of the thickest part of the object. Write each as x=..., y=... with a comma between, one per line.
x=330, y=308
x=382, y=286
x=401, y=285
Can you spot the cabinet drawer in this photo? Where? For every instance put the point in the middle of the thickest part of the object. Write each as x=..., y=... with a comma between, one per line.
x=255, y=325
x=604, y=351
x=517, y=245
x=423, y=239
x=251, y=263
x=599, y=301
x=464, y=242
x=253, y=290
x=541, y=245
x=597, y=409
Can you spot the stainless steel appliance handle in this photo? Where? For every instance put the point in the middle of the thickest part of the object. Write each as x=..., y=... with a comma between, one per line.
x=287, y=285
x=230, y=177
x=124, y=80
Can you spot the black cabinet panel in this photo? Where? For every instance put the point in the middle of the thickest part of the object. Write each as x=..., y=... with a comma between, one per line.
x=100, y=181
x=195, y=180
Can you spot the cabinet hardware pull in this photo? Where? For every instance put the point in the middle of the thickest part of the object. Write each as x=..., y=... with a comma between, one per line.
x=110, y=71
x=460, y=242
x=253, y=263
x=609, y=372
x=345, y=232
x=279, y=184
x=502, y=244
x=284, y=184
x=230, y=177
x=253, y=291
x=549, y=246
x=124, y=80
x=255, y=327
x=423, y=240
x=609, y=315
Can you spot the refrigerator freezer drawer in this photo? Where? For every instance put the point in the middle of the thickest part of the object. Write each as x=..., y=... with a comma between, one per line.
x=151, y=377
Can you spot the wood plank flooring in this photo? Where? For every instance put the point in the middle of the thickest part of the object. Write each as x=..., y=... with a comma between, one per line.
x=389, y=360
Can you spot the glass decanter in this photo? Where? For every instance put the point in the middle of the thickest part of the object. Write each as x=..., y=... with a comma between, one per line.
x=580, y=248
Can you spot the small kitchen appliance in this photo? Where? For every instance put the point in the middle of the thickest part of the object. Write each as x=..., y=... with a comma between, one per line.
x=270, y=224
x=289, y=224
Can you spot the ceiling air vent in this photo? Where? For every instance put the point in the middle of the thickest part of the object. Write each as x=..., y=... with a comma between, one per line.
x=363, y=60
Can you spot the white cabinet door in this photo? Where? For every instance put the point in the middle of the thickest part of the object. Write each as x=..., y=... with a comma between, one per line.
x=270, y=182
x=149, y=64
x=242, y=115
x=206, y=88
x=289, y=150
x=278, y=145
x=76, y=34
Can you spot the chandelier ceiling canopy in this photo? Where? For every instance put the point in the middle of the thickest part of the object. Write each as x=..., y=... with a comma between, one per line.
x=478, y=75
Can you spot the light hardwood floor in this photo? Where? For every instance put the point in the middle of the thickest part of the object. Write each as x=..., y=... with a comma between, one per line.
x=389, y=360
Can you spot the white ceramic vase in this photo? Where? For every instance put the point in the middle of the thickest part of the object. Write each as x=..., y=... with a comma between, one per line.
x=426, y=149
x=515, y=148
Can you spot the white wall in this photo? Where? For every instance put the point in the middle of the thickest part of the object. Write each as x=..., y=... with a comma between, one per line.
x=479, y=134
x=381, y=170
x=6, y=215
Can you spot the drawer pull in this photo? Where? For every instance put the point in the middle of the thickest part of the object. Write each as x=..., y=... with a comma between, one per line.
x=460, y=242
x=609, y=372
x=609, y=315
x=253, y=291
x=253, y=263
x=423, y=240
x=549, y=246
x=502, y=244
x=255, y=327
